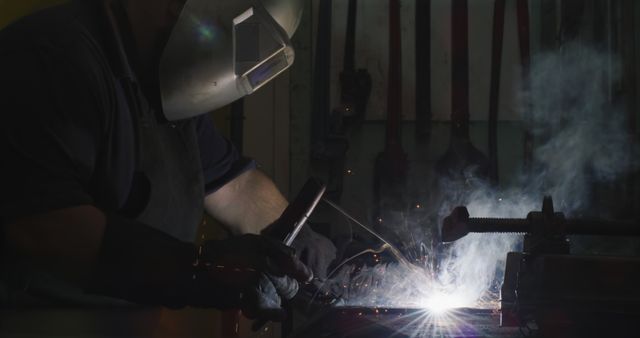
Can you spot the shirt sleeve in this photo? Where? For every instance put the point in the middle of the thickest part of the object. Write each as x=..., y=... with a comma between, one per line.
x=49, y=133
x=221, y=161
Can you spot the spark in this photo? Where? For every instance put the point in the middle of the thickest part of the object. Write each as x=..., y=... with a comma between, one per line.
x=404, y=286
x=438, y=290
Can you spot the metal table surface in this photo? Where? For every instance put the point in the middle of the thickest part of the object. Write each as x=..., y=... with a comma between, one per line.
x=356, y=322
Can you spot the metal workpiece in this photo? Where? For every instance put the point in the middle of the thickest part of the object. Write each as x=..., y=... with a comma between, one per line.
x=379, y=322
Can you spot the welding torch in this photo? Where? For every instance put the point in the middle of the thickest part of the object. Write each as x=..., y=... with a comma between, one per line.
x=294, y=217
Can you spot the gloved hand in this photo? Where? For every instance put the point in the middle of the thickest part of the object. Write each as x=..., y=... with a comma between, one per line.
x=256, y=271
x=264, y=301
x=315, y=250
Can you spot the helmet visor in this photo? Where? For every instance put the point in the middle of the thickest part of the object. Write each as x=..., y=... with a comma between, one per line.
x=218, y=52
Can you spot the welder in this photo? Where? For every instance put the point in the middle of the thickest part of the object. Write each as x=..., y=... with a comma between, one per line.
x=110, y=158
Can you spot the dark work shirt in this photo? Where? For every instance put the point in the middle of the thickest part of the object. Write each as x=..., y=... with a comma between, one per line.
x=66, y=135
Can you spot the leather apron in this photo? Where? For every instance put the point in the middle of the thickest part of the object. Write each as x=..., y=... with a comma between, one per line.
x=168, y=166
x=169, y=159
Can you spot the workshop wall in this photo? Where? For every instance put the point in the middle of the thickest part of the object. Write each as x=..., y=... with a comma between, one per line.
x=266, y=130
x=372, y=50
x=372, y=53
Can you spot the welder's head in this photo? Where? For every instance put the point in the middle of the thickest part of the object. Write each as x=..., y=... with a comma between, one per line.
x=221, y=50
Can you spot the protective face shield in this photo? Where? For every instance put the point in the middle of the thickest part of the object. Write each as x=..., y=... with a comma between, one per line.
x=222, y=50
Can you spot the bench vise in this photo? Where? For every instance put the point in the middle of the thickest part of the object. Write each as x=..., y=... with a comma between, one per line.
x=551, y=292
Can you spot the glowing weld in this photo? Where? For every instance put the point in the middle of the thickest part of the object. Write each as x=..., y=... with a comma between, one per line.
x=441, y=302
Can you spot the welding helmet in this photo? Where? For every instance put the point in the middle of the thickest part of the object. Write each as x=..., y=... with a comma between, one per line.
x=222, y=50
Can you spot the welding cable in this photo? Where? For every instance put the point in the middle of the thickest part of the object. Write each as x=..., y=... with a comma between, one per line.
x=494, y=91
x=392, y=249
x=380, y=250
x=344, y=241
x=353, y=219
x=386, y=245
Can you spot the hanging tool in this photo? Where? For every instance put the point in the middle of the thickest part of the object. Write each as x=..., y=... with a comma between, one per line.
x=629, y=56
x=355, y=84
x=321, y=81
x=494, y=94
x=328, y=143
x=391, y=164
x=571, y=20
x=524, y=38
x=423, y=70
x=462, y=159
x=355, y=89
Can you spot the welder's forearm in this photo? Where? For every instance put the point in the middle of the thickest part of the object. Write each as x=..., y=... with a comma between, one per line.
x=64, y=242
x=247, y=204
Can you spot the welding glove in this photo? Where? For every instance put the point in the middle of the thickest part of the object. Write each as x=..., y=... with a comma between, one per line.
x=264, y=300
x=146, y=266
x=315, y=250
x=260, y=270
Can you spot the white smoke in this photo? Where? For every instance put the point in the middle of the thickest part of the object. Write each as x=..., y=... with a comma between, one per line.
x=584, y=136
x=581, y=139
